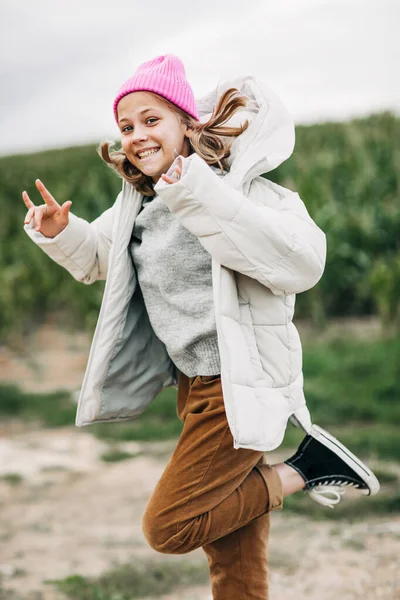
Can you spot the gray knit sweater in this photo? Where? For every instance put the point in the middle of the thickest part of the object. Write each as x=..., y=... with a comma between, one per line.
x=174, y=274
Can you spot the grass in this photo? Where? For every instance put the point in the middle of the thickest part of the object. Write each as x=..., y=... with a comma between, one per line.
x=378, y=441
x=352, y=389
x=386, y=476
x=12, y=478
x=349, y=509
x=52, y=410
x=347, y=381
x=140, y=580
x=10, y=594
x=116, y=455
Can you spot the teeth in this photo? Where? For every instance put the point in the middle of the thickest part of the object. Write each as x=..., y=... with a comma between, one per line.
x=148, y=153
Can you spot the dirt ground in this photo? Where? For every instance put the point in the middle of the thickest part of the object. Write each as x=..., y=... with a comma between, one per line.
x=73, y=513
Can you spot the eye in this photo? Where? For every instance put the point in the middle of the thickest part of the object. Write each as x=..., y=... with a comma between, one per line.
x=152, y=119
x=123, y=130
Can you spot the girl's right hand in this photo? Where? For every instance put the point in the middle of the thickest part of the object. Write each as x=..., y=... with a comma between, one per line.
x=49, y=218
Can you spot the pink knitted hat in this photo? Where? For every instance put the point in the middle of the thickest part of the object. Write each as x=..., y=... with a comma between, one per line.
x=164, y=75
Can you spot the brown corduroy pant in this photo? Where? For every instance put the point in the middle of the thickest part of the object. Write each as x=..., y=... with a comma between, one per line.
x=215, y=497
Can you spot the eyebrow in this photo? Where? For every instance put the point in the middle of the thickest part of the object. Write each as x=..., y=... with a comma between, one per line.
x=145, y=110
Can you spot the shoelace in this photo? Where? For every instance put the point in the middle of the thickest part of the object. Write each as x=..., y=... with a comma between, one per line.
x=327, y=495
x=334, y=488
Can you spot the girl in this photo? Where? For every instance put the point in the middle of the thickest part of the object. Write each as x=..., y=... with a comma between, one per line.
x=203, y=258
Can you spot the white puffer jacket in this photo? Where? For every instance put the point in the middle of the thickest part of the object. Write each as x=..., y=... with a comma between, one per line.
x=265, y=248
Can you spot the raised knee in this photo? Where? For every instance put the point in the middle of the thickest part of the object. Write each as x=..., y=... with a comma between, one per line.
x=159, y=536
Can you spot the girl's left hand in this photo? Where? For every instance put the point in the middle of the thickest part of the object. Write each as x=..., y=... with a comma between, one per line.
x=176, y=175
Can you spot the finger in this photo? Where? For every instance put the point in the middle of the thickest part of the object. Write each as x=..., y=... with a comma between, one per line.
x=28, y=202
x=39, y=216
x=44, y=192
x=65, y=207
x=167, y=178
x=29, y=215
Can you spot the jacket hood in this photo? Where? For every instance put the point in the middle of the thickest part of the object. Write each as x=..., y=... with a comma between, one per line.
x=269, y=139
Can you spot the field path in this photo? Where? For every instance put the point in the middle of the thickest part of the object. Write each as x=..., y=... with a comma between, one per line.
x=72, y=513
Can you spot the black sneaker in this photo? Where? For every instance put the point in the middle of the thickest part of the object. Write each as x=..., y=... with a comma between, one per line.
x=328, y=467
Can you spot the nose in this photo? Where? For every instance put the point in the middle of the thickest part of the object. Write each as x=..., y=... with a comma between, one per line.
x=140, y=135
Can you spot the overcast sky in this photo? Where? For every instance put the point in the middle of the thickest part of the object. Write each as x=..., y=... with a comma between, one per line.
x=62, y=61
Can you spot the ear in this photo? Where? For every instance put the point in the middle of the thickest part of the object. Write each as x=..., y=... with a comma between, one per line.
x=188, y=131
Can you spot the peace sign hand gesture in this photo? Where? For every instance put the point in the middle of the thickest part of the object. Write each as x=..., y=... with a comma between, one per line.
x=49, y=218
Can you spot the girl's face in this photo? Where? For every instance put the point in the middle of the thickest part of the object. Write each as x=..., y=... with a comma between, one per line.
x=152, y=134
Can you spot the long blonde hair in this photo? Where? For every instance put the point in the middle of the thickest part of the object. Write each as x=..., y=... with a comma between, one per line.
x=206, y=140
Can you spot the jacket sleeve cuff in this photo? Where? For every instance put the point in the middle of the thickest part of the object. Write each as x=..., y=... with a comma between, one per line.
x=63, y=245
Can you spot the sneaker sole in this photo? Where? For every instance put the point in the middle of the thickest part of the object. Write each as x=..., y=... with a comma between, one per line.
x=348, y=457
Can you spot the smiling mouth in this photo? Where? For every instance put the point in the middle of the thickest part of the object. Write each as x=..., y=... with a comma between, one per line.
x=147, y=153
